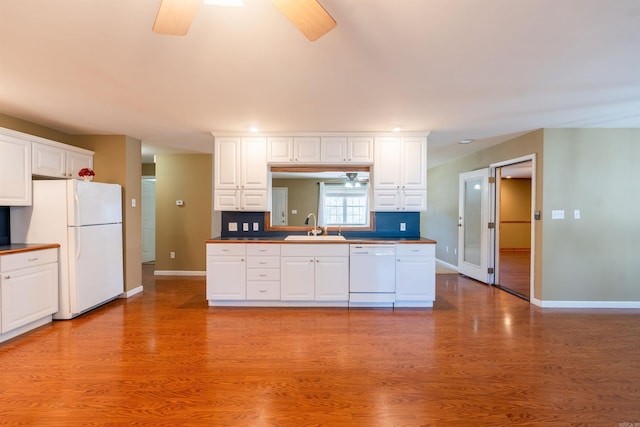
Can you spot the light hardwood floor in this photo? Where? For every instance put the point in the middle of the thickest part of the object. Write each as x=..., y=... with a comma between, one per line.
x=479, y=357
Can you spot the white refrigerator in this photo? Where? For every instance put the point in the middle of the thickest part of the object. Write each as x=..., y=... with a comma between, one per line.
x=85, y=218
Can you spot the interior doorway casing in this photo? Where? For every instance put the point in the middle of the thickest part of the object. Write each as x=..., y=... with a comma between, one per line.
x=494, y=245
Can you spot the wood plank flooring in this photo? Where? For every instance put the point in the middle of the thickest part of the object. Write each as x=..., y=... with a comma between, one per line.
x=515, y=271
x=480, y=357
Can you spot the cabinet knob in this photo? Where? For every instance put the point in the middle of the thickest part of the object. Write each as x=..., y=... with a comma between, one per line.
x=7, y=277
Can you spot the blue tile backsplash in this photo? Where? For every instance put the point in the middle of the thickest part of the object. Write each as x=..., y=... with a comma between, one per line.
x=387, y=225
x=5, y=239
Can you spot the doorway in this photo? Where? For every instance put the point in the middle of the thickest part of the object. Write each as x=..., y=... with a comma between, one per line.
x=514, y=218
x=148, y=219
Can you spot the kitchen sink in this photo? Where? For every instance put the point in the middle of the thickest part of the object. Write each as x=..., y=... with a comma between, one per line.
x=321, y=237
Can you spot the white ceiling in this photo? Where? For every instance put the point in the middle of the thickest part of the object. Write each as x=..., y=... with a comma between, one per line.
x=482, y=69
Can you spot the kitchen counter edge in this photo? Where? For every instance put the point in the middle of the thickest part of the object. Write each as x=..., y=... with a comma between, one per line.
x=24, y=247
x=353, y=240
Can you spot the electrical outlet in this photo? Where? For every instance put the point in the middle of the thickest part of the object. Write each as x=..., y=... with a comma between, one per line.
x=576, y=214
x=403, y=226
x=233, y=226
x=256, y=226
x=172, y=255
x=245, y=226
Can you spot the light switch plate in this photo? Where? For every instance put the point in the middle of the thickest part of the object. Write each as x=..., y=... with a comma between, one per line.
x=557, y=214
x=233, y=226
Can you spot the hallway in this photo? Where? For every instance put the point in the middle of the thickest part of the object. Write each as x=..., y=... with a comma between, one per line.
x=479, y=357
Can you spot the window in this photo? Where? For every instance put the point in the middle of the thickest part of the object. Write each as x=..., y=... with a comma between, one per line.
x=344, y=204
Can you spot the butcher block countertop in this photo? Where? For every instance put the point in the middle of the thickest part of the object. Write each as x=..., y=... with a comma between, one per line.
x=25, y=247
x=348, y=240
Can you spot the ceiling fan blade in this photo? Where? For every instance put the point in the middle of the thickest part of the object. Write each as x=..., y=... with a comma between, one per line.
x=308, y=16
x=175, y=16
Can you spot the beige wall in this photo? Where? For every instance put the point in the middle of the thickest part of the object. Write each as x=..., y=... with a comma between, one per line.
x=303, y=197
x=594, y=258
x=33, y=129
x=183, y=229
x=440, y=222
x=515, y=213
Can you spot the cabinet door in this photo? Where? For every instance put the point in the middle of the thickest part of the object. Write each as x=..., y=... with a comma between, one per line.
x=226, y=200
x=333, y=149
x=49, y=161
x=386, y=200
x=15, y=171
x=253, y=160
x=226, y=278
x=297, y=278
x=386, y=173
x=414, y=163
x=332, y=279
x=306, y=149
x=28, y=294
x=76, y=161
x=280, y=149
x=227, y=164
x=415, y=279
x=360, y=149
x=253, y=200
x=413, y=200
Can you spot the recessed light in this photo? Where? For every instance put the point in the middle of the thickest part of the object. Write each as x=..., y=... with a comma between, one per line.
x=466, y=141
x=396, y=128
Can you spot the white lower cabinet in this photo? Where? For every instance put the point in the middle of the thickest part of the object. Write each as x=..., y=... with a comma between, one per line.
x=226, y=271
x=28, y=291
x=263, y=272
x=415, y=275
x=315, y=272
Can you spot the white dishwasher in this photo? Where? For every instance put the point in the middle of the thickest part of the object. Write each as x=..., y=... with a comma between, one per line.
x=372, y=275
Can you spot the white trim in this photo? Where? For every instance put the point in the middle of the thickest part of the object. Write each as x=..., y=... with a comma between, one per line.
x=178, y=273
x=275, y=303
x=589, y=304
x=130, y=293
x=219, y=134
x=446, y=264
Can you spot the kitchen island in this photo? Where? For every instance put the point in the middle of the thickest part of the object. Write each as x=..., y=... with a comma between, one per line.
x=320, y=272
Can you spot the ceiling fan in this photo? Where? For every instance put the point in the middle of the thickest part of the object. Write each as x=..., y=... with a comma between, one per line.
x=175, y=16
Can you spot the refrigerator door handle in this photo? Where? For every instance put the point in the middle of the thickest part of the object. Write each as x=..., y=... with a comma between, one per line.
x=76, y=237
x=76, y=208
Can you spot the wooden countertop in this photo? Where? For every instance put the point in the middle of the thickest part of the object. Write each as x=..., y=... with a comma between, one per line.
x=25, y=247
x=348, y=240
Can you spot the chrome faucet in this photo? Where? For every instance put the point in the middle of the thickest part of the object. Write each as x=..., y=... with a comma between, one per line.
x=315, y=230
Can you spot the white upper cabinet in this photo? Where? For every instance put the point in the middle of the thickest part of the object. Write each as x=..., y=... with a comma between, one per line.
x=280, y=149
x=299, y=149
x=400, y=174
x=240, y=176
x=58, y=160
x=306, y=149
x=342, y=149
x=15, y=171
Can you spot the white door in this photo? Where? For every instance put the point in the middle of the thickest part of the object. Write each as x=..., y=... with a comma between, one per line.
x=473, y=224
x=279, y=209
x=148, y=220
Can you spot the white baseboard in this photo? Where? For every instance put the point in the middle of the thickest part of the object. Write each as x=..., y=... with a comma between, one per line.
x=131, y=292
x=446, y=264
x=587, y=304
x=178, y=273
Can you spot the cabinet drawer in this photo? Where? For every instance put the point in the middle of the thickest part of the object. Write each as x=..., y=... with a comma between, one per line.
x=263, y=262
x=263, y=249
x=28, y=259
x=263, y=290
x=225, y=249
x=415, y=250
x=259, y=274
